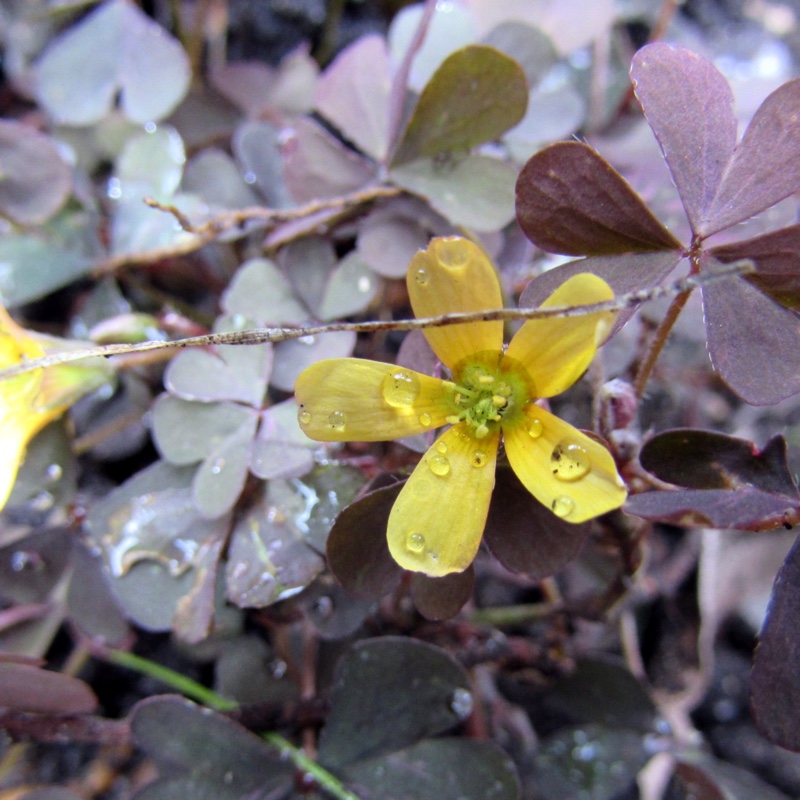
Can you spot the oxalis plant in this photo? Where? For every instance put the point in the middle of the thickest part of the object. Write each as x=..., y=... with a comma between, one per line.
x=362, y=450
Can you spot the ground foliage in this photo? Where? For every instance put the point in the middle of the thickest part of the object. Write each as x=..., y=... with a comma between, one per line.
x=180, y=513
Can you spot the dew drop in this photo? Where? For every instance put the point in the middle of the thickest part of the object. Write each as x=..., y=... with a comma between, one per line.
x=536, y=428
x=337, y=420
x=563, y=506
x=569, y=461
x=440, y=465
x=461, y=703
x=415, y=542
x=217, y=466
x=479, y=459
x=453, y=254
x=441, y=446
x=304, y=417
x=54, y=472
x=421, y=277
x=400, y=388
x=425, y=419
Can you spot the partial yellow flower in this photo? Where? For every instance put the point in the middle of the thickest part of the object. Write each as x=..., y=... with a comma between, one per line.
x=437, y=522
x=30, y=401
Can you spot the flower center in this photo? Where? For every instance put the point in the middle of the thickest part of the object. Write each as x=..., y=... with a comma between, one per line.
x=489, y=389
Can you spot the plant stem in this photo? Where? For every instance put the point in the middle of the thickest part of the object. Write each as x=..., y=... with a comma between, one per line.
x=324, y=778
x=497, y=616
x=208, y=697
x=648, y=363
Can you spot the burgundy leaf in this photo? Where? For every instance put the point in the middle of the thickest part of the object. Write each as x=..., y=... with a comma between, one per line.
x=775, y=681
x=525, y=536
x=623, y=273
x=571, y=200
x=353, y=94
x=689, y=105
x=777, y=260
x=754, y=343
x=766, y=165
x=706, y=460
x=27, y=688
x=358, y=553
x=744, y=509
x=442, y=598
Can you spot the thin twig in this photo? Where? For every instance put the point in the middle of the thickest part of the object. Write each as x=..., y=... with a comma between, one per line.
x=278, y=334
x=219, y=224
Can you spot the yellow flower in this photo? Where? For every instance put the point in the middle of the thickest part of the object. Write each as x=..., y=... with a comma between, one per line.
x=30, y=401
x=438, y=519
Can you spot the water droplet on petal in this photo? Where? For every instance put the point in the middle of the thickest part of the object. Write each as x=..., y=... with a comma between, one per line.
x=536, y=428
x=421, y=277
x=425, y=419
x=400, y=388
x=569, y=461
x=439, y=465
x=304, y=417
x=563, y=506
x=441, y=446
x=479, y=459
x=453, y=254
x=415, y=542
x=337, y=420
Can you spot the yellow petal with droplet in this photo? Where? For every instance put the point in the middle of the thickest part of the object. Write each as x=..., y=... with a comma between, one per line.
x=453, y=275
x=565, y=470
x=437, y=521
x=352, y=399
x=556, y=351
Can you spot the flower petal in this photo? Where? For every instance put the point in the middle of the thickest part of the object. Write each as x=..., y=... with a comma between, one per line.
x=455, y=275
x=18, y=425
x=556, y=351
x=352, y=399
x=565, y=470
x=15, y=342
x=437, y=522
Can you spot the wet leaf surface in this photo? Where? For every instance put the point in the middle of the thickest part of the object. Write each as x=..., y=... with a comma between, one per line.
x=213, y=758
x=596, y=762
x=435, y=769
x=387, y=695
x=269, y=558
x=558, y=208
